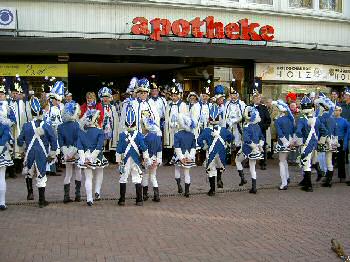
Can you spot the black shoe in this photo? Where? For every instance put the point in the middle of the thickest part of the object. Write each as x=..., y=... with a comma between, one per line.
x=156, y=197
x=145, y=193
x=89, y=203
x=66, y=198
x=29, y=182
x=3, y=207
x=212, y=186
x=77, y=191
x=328, y=181
x=97, y=197
x=253, y=190
x=42, y=201
x=307, y=189
x=179, y=187
x=54, y=174
x=288, y=181
x=187, y=190
x=283, y=188
x=218, y=178
x=243, y=180
x=121, y=201
x=139, y=200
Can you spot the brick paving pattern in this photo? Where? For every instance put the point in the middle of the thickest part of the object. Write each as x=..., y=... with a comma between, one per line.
x=232, y=226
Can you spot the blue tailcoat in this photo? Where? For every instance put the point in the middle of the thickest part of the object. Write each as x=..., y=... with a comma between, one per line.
x=284, y=127
x=153, y=143
x=251, y=134
x=329, y=123
x=206, y=138
x=185, y=141
x=134, y=153
x=68, y=133
x=5, y=137
x=342, y=130
x=35, y=154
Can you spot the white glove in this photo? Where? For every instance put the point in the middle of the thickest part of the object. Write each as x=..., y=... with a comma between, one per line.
x=193, y=154
x=118, y=157
x=285, y=142
x=159, y=158
x=52, y=155
x=1, y=149
x=64, y=151
x=322, y=140
x=254, y=147
x=298, y=141
x=81, y=157
x=94, y=155
x=179, y=154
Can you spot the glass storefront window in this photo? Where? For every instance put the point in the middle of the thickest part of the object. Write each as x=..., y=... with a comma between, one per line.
x=265, y=2
x=224, y=75
x=300, y=3
x=333, y=5
x=280, y=91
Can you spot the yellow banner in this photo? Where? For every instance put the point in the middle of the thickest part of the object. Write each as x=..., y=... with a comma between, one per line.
x=40, y=70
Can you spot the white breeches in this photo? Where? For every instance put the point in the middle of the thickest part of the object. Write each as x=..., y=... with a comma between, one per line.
x=309, y=160
x=2, y=185
x=151, y=173
x=132, y=169
x=329, y=161
x=252, y=162
x=186, y=172
x=88, y=182
x=284, y=172
x=69, y=173
x=212, y=167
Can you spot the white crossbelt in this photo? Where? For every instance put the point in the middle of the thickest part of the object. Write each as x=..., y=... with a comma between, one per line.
x=35, y=137
x=218, y=138
x=131, y=143
x=312, y=131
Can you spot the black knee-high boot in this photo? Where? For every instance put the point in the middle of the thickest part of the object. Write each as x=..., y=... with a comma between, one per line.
x=145, y=193
x=187, y=190
x=156, y=197
x=253, y=190
x=179, y=187
x=328, y=181
x=42, y=201
x=212, y=186
x=29, y=182
x=66, y=198
x=319, y=172
x=308, y=184
x=218, y=178
x=121, y=201
x=77, y=191
x=139, y=201
x=243, y=180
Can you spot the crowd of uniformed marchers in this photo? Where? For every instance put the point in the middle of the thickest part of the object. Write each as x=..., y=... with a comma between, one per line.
x=39, y=134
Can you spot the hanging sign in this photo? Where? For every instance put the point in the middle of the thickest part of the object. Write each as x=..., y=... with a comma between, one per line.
x=40, y=70
x=242, y=30
x=302, y=73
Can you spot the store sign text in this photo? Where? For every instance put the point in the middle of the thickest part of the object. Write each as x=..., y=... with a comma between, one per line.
x=242, y=30
x=303, y=73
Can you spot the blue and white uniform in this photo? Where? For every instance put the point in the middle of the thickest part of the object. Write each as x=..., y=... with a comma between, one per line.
x=41, y=145
x=185, y=151
x=131, y=147
x=68, y=133
x=284, y=124
x=90, y=149
x=5, y=156
x=253, y=141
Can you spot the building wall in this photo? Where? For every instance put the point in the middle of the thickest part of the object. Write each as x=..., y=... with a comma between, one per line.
x=109, y=19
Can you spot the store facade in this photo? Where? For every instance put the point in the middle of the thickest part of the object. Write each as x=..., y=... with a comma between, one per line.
x=190, y=40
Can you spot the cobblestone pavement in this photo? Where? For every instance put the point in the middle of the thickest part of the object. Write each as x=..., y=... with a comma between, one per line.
x=16, y=188
x=270, y=226
x=233, y=226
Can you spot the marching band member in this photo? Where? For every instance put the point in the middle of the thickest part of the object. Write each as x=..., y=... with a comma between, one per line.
x=90, y=149
x=41, y=146
x=54, y=118
x=219, y=99
x=284, y=124
x=175, y=108
x=153, y=141
x=128, y=155
x=194, y=109
x=252, y=148
x=214, y=139
x=23, y=115
x=68, y=133
x=309, y=132
x=5, y=138
x=205, y=105
x=160, y=103
x=110, y=124
x=185, y=151
x=325, y=115
x=130, y=92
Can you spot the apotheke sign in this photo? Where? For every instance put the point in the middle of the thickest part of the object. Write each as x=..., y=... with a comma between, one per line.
x=242, y=30
x=302, y=73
